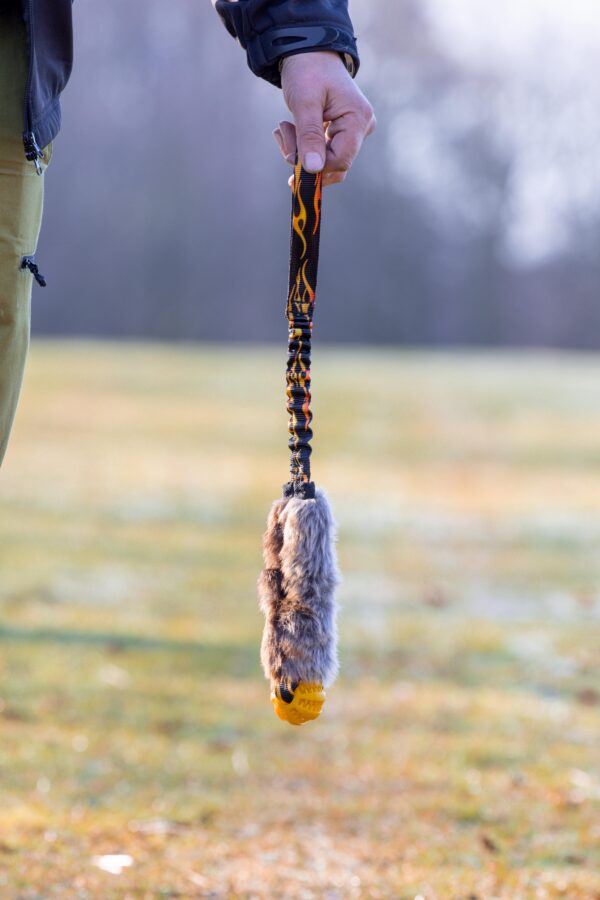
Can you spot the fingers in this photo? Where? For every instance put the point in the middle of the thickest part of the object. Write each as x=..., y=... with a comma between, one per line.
x=306, y=137
x=285, y=136
x=338, y=148
x=345, y=135
x=343, y=139
x=333, y=178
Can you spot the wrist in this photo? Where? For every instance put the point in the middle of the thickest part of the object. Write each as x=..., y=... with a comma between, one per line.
x=345, y=58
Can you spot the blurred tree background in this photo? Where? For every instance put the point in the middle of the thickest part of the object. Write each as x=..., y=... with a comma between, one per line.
x=471, y=217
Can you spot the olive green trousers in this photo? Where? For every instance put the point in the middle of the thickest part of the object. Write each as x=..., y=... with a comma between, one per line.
x=21, y=201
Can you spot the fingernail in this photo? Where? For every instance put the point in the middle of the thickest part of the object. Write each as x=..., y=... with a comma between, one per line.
x=291, y=158
x=313, y=162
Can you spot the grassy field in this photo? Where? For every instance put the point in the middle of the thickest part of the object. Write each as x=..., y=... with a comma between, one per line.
x=458, y=755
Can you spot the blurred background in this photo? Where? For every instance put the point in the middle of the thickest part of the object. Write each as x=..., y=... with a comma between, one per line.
x=457, y=755
x=471, y=217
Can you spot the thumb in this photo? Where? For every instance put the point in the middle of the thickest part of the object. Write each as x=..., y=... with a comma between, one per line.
x=310, y=135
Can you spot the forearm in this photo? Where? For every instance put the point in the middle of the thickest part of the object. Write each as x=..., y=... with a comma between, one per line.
x=271, y=29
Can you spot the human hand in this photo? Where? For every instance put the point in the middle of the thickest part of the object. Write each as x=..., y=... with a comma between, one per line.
x=332, y=116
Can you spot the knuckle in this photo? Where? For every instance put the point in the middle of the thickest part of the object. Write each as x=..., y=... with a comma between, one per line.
x=367, y=111
x=343, y=163
x=310, y=131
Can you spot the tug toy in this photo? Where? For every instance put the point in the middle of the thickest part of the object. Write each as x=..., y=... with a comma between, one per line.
x=297, y=585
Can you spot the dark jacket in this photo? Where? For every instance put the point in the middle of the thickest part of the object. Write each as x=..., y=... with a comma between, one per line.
x=271, y=29
x=49, y=29
x=267, y=29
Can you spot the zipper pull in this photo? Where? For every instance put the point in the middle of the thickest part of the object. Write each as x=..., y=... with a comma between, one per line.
x=28, y=262
x=32, y=151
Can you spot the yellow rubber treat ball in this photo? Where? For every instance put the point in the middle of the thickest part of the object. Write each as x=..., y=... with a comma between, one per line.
x=298, y=704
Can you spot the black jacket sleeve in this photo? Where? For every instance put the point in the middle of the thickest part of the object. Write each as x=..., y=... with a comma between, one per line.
x=270, y=29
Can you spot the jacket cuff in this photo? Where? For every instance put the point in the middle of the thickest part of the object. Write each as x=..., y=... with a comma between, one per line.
x=264, y=51
x=265, y=48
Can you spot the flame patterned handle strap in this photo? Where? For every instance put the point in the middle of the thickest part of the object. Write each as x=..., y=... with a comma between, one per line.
x=304, y=261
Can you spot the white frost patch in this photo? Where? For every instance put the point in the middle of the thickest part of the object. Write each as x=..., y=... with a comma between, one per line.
x=114, y=676
x=239, y=762
x=114, y=863
x=537, y=648
x=588, y=786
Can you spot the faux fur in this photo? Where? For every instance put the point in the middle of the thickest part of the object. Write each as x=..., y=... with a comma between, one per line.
x=297, y=592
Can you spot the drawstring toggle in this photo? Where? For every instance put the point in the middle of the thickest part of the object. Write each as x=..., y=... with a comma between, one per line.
x=28, y=262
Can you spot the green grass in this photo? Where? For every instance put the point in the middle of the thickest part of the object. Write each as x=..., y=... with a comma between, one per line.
x=457, y=756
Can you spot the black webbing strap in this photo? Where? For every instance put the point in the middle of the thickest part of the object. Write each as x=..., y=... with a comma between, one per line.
x=304, y=262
